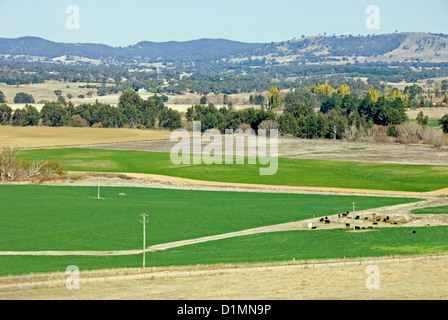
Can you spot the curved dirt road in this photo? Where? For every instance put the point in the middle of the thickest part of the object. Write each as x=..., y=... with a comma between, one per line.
x=400, y=214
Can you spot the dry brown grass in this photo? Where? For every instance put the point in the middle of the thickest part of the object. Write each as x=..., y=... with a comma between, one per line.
x=405, y=279
x=33, y=137
x=45, y=92
x=432, y=113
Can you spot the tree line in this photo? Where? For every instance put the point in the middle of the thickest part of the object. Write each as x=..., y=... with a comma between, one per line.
x=132, y=112
x=320, y=111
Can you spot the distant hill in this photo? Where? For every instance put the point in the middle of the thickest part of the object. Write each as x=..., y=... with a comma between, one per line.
x=144, y=51
x=396, y=47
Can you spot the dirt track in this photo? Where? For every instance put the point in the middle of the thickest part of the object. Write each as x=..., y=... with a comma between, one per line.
x=400, y=215
x=161, y=181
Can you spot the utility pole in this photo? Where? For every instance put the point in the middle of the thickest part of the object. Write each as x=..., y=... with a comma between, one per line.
x=144, y=215
x=99, y=186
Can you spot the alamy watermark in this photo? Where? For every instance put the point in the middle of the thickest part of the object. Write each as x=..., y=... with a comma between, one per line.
x=373, y=20
x=235, y=146
x=72, y=280
x=373, y=280
x=73, y=21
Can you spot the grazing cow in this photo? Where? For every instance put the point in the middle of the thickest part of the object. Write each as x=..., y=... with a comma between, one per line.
x=375, y=223
x=347, y=225
x=357, y=227
x=327, y=221
x=357, y=217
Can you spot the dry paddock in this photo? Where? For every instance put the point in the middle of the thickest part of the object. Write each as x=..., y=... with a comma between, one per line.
x=411, y=278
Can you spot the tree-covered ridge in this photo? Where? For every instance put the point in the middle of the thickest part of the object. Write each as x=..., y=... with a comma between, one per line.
x=320, y=48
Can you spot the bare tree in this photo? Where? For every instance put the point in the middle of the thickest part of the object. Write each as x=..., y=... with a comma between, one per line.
x=13, y=169
x=268, y=125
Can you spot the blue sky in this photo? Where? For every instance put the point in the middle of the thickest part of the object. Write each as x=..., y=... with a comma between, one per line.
x=123, y=23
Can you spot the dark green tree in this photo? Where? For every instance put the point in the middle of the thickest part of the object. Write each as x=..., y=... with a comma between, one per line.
x=53, y=114
x=5, y=114
x=444, y=123
x=23, y=97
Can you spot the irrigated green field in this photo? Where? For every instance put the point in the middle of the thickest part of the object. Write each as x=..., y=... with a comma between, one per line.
x=291, y=172
x=269, y=247
x=41, y=218
x=432, y=210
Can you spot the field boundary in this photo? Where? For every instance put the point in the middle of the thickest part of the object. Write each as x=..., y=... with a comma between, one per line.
x=288, y=226
x=54, y=280
x=170, y=180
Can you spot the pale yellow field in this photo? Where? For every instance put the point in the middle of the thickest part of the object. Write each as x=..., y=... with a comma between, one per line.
x=432, y=113
x=45, y=92
x=422, y=279
x=32, y=137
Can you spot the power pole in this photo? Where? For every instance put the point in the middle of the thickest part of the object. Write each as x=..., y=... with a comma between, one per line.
x=144, y=215
x=99, y=186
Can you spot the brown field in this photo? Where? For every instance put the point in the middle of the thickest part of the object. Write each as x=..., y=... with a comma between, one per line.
x=33, y=137
x=432, y=113
x=399, y=278
x=45, y=92
x=322, y=149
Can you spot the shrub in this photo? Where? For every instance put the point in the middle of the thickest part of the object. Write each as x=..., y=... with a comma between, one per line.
x=409, y=129
x=392, y=131
x=268, y=125
x=13, y=169
x=77, y=121
x=434, y=137
x=97, y=125
x=244, y=126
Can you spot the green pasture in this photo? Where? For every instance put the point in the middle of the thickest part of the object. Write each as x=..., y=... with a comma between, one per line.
x=432, y=210
x=36, y=217
x=259, y=248
x=291, y=172
x=431, y=122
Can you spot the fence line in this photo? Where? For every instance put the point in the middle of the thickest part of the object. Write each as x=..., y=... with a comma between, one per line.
x=92, y=278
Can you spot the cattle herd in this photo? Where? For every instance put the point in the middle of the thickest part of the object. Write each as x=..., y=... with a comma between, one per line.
x=346, y=215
